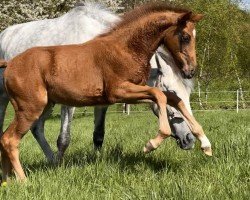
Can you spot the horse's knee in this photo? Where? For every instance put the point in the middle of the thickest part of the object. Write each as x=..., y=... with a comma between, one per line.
x=166, y=132
x=159, y=96
x=161, y=99
x=10, y=140
x=36, y=129
x=63, y=141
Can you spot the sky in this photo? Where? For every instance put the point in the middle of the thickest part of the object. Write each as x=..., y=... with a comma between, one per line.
x=246, y=4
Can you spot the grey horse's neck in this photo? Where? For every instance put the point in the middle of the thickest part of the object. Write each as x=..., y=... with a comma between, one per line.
x=172, y=68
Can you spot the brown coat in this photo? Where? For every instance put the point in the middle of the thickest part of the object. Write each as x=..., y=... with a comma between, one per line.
x=111, y=68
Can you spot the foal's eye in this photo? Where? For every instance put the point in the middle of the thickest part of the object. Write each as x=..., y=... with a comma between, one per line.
x=185, y=38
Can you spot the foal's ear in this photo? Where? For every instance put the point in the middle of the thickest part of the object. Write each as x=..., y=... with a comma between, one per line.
x=182, y=20
x=196, y=17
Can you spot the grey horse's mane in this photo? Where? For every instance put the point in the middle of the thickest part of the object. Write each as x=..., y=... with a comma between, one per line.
x=80, y=24
x=91, y=4
x=81, y=3
x=167, y=57
x=189, y=83
x=96, y=10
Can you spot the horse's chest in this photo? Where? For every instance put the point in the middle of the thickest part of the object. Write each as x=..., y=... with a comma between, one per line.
x=141, y=75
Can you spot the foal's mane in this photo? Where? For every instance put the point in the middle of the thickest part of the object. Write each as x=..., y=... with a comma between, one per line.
x=142, y=11
x=147, y=9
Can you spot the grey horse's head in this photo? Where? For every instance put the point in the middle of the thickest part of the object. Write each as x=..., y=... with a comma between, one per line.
x=165, y=76
x=180, y=129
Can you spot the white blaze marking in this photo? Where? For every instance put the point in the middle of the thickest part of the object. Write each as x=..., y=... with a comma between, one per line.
x=194, y=33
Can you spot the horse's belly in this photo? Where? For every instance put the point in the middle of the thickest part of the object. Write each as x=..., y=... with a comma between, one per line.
x=80, y=96
x=77, y=89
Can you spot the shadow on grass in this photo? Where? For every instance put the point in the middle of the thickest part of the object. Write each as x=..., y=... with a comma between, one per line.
x=126, y=161
x=76, y=116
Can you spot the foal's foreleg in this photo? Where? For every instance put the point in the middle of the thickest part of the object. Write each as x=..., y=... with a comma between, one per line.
x=131, y=93
x=196, y=128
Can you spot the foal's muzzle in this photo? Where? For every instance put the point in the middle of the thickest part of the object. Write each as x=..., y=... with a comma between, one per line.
x=188, y=74
x=188, y=68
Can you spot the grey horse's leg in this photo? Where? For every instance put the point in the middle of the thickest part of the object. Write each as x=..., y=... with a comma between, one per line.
x=64, y=137
x=37, y=130
x=98, y=135
x=180, y=129
x=4, y=100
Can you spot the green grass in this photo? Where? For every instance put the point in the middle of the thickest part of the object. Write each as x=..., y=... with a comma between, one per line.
x=122, y=171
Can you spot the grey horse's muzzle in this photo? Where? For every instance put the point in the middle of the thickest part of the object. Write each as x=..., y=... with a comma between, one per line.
x=180, y=130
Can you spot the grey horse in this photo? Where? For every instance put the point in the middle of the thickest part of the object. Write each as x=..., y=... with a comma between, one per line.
x=79, y=25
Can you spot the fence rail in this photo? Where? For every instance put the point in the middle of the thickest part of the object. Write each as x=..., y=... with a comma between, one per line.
x=215, y=101
x=233, y=102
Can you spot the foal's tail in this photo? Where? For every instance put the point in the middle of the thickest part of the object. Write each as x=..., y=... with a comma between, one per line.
x=3, y=63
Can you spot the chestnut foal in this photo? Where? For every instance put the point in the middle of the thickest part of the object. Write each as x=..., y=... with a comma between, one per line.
x=111, y=68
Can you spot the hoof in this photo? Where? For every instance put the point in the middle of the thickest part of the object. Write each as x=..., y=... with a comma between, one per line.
x=207, y=151
x=149, y=147
x=4, y=184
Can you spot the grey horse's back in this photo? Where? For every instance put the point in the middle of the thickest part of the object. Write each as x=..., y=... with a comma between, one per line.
x=79, y=25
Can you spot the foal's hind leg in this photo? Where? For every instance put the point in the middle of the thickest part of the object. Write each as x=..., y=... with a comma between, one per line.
x=37, y=130
x=25, y=115
x=64, y=137
x=131, y=93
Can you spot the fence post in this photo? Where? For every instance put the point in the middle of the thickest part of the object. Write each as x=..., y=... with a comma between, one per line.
x=128, y=109
x=237, y=103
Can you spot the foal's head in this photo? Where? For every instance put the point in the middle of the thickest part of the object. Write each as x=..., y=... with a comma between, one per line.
x=180, y=41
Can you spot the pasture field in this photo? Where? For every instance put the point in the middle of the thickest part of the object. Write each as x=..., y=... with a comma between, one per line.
x=122, y=171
